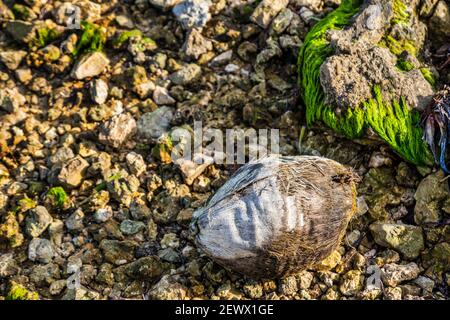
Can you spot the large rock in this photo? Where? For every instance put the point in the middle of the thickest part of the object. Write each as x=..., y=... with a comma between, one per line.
x=153, y=125
x=360, y=69
x=90, y=65
x=267, y=10
x=430, y=196
x=37, y=221
x=117, y=130
x=40, y=250
x=406, y=239
x=358, y=63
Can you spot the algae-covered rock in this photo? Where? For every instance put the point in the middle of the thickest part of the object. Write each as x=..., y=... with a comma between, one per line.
x=351, y=74
x=10, y=232
x=19, y=292
x=406, y=239
x=430, y=197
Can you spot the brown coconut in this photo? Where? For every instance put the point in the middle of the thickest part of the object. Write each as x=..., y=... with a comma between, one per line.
x=277, y=216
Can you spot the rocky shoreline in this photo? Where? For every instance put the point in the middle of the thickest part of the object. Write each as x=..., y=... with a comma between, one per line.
x=93, y=207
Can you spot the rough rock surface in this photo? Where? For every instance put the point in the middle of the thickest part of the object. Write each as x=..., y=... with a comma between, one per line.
x=91, y=65
x=360, y=62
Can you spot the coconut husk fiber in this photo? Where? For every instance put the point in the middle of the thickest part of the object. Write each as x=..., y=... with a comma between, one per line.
x=277, y=216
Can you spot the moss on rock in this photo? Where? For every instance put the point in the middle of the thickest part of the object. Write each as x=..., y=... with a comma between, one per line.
x=394, y=121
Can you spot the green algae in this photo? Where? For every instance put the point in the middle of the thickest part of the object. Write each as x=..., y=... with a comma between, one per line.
x=125, y=36
x=404, y=65
x=428, y=76
x=19, y=292
x=58, y=196
x=92, y=39
x=44, y=36
x=392, y=121
x=401, y=14
x=25, y=204
x=21, y=12
x=143, y=44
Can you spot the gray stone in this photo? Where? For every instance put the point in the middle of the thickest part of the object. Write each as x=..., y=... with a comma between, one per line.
x=393, y=274
x=67, y=14
x=430, y=194
x=118, y=252
x=90, y=65
x=439, y=23
x=117, y=130
x=146, y=268
x=8, y=265
x=195, y=44
x=192, y=13
x=75, y=221
x=360, y=69
x=222, y=58
x=153, y=125
x=11, y=100
x=21, y=31
x=56, y=231
x=306, y=14
x=12, y=58
x=164, y=4
x=37, y=221
x=61, y=155
x=190, y=169
x=139, y=210
x=169, y=255
x=103, y=214
x=266, y=11
x=72, y=172
x=352, y=283
x=168, y=289
x=130, y=227
x=135, y=163
x=282, y=21
x=406, y=239
x=162, y=97
x=40, y=250
x=186, y=74
x=99, y=91
x=288, y=286
x=425, y=283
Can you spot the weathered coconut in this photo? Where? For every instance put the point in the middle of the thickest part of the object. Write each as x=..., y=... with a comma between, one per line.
x=278, y=215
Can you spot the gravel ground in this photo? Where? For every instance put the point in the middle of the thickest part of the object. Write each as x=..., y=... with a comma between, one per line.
x=91, y=204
